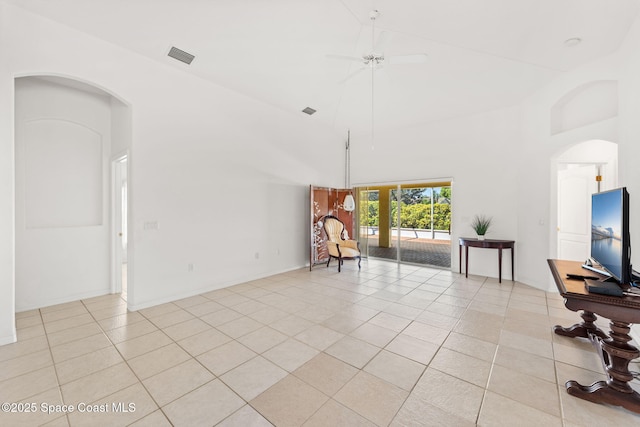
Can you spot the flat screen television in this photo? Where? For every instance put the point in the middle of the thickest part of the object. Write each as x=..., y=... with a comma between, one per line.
x=610, y=236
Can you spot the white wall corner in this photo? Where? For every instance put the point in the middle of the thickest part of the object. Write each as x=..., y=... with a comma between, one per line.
x=9, y=339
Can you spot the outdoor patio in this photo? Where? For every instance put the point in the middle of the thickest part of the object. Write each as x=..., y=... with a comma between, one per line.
x=413, y=250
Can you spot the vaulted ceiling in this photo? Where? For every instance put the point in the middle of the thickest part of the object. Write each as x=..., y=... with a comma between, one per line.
x=481, y=54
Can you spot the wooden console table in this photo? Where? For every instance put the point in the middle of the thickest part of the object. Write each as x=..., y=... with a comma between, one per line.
x=487, y=243
x=614, y=348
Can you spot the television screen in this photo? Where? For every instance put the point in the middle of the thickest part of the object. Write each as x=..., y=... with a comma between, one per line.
x=610, y=232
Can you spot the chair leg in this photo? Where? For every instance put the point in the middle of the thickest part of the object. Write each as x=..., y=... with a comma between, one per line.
x=328, y=261
x=359, y=259
x=339, y=264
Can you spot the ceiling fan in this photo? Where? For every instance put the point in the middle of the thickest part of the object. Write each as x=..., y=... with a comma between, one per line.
x=376, y=59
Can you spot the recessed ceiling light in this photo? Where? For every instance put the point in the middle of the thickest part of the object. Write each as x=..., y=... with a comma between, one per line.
x=572, y=42
x=309, y=111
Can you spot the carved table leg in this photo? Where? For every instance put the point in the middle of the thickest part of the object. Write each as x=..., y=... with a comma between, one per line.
x=583, y=330
x=616, y=353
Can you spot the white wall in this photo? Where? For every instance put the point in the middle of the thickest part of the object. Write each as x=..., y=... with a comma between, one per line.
x=7, y=295
x=120, y=128
x=62, y=143
x=223, y=176
x=540, y=148
x=629, y=149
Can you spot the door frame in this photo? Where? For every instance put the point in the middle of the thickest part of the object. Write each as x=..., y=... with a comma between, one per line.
x=603, y=152
x=397, y=186
x=116, y=218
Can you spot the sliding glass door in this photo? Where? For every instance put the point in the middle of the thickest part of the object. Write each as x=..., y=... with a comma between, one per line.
x=406, y=223
x=374, y=222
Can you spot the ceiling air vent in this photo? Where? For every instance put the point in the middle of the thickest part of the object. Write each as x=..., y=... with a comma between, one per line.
x=309, y=111
x=181, y=55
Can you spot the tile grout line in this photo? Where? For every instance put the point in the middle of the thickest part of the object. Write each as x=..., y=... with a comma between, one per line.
x=485, y=392
x=55, y=369
x=128, y=365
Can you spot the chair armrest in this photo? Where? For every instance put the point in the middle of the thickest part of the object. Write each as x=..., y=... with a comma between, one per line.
x=353, y=244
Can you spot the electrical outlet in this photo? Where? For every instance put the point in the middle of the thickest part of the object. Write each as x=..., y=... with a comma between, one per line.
x=190, y=267
x=257, y=255
x=151, y=225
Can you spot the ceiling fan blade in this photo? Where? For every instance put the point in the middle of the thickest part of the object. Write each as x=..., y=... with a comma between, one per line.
x=352, y=75
x=346, y=58
x=383, y=42
x=418, y=58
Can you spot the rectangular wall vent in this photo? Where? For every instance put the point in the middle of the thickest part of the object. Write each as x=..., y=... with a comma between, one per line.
x=309, y=111
x=181, y=55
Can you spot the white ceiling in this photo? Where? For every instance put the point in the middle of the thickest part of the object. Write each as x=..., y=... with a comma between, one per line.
x=482, y=54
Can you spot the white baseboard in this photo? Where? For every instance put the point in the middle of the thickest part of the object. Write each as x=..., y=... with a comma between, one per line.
x=10, y=339
x=183, y=295
x=65, y=299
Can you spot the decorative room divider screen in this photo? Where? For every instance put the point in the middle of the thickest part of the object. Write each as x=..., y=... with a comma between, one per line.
x=326, y=201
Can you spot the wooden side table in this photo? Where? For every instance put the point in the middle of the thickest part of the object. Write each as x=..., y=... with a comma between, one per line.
x=486, y=243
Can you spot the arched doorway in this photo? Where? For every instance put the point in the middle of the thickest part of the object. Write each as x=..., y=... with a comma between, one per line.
x=67, y=134
x=581, y=170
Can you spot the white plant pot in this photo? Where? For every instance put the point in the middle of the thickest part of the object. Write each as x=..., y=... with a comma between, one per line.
x=480, y=236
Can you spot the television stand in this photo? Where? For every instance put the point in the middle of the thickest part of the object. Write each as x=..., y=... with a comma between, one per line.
x=614, y=348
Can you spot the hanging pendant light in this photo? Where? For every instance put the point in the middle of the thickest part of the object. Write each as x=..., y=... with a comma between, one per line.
x=349, y=203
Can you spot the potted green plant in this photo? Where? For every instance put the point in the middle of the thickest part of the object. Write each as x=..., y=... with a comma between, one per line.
x=481, y=224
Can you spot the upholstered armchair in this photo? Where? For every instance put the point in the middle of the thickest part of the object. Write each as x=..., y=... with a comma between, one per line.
x=337, y=246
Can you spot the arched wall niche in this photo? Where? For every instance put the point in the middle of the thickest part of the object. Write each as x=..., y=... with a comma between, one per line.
x=589, y=103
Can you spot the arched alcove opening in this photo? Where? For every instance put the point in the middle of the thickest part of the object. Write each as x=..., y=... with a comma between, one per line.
x=68, y=133
x=586, y=104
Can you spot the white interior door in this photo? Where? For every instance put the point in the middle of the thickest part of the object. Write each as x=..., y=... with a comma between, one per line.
x=576, y=184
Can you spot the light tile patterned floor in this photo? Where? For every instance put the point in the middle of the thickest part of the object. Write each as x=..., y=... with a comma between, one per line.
x=389, y=345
